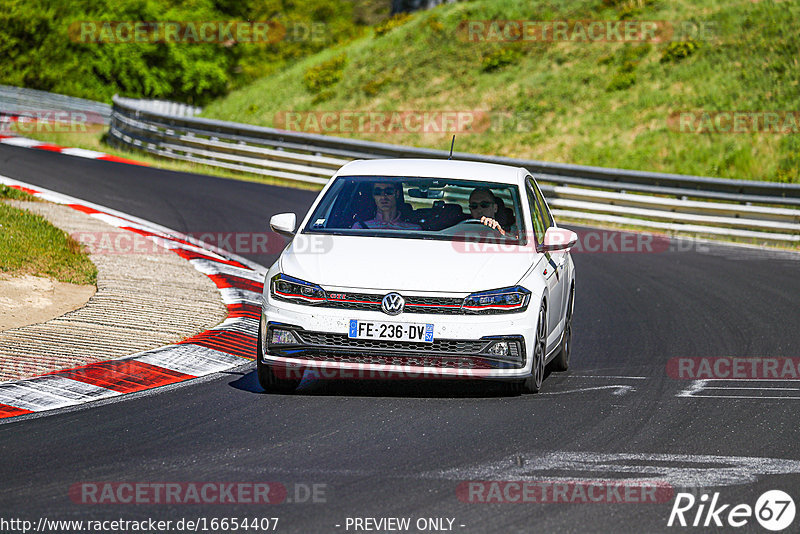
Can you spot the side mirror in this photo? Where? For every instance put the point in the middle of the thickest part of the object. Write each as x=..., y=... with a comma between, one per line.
x=557, y=239
x=283, y=223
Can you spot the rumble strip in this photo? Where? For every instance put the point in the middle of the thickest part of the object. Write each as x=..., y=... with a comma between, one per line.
x=230, y=344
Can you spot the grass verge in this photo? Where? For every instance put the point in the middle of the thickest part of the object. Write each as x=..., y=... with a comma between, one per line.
x=29, y=244
x=9, y=193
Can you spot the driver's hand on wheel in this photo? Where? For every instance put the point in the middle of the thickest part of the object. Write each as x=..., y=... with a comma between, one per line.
x=493, y=224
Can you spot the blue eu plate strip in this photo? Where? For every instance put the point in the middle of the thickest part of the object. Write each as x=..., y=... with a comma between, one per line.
x=353, y=328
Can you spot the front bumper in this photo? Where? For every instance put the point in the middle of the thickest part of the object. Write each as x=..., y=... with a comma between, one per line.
x=459, y=350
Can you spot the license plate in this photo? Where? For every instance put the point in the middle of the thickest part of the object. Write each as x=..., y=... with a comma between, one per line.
x=418, y=332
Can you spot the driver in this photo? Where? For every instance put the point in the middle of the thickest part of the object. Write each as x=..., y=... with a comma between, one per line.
x=483, y=206
x=387, y=215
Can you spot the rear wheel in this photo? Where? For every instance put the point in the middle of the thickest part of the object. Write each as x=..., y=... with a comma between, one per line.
x=266, y=375
x=533, y=383
x=561, y=361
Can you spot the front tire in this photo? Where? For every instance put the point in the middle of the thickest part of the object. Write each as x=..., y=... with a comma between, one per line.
x=533, y=384
x=266, y=376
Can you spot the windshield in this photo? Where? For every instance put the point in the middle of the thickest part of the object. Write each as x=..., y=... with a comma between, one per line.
x=422, y=208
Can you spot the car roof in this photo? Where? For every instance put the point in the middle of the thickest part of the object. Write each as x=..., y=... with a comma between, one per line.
x=433, y=168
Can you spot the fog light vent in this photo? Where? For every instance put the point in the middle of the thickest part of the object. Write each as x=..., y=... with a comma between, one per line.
x=501, y=348
x=283, y=337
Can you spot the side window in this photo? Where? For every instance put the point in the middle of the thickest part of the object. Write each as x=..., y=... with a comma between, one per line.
x=538, y=226
x=547, y=219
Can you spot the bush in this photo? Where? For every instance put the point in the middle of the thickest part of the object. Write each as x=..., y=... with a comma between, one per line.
x=606, y=60
x=373, y=87
x=323, y=96
x=622, y=80
x=677, y=51
x=789, y=165
x=391, y=23
x=324, y=75
x=435, y=25
x=499, y=58
x=634, y=53
x=42, y=48
x=628, y=59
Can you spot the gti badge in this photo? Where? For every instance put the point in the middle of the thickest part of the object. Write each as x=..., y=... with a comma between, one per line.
x=393, y=304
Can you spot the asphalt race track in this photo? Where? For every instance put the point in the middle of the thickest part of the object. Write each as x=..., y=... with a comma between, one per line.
x=379, y=449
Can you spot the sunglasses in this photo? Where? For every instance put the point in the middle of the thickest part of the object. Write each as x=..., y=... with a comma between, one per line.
x=379, y=191
x=483, y=204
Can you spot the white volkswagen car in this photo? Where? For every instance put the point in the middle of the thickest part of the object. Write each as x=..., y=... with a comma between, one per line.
x=424, y=268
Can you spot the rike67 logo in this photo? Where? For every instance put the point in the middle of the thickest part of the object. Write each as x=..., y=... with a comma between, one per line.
x=774, y=510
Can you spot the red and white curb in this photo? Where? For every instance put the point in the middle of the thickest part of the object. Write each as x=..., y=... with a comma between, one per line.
x=25, y=142
x=225, y=346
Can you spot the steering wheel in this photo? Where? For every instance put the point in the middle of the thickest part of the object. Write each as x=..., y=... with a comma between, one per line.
x=476, y=221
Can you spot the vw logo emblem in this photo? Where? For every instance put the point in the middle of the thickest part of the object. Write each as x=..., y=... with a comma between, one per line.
x=393, y=304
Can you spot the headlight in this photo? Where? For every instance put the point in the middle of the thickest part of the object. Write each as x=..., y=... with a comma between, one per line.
x=509, y=299
x=285, y=287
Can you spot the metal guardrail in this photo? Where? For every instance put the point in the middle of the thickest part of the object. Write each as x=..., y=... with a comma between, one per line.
x=18, y=101
x=164, y=107
x=762, y=211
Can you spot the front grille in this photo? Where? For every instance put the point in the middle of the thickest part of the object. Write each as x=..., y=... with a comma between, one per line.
x=405, y=361
x=441, y=353
x=414, y=304
x=439, y=305
x=342, y=341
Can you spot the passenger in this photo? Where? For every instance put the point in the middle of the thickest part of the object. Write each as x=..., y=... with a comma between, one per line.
x=387, y=215
x=484, y=206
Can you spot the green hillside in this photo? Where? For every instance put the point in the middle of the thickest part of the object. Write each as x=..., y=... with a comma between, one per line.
x=593, y=103
x=87, y=48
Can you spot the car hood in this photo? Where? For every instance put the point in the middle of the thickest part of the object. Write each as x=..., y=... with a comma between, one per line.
x=405, y=264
